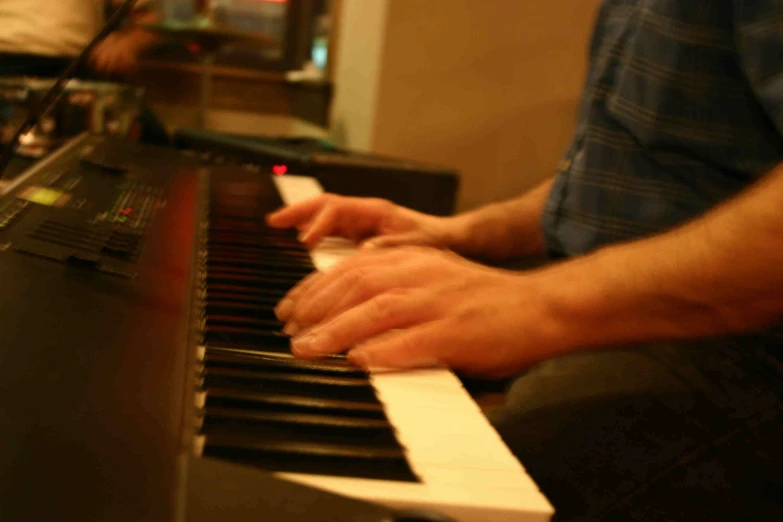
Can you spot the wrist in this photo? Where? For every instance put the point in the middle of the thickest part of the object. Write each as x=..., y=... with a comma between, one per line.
x=456, y=233
x=540, y=324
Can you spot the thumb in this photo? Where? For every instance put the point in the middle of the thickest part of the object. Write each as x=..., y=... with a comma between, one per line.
x=394, y=240
x=398, y=350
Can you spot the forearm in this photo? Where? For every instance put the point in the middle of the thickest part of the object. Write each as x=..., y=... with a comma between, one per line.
x=503, y=231
x=719, y=274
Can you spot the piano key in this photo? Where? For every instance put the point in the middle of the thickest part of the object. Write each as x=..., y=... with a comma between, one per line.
x=274, y=402
x=234, y=308
x=248, y=359
x=288, y=277
x=249, y=292
x=257, y=246
x=216, y=297
x=258, y=241
x=337, y=358
x=256, y=249
x=268, y=340
x=275, y=264
x=301, y=427
x=313, y=458
x=283, y=284
x=441, y=428
x=303, y=385
x=218, y=321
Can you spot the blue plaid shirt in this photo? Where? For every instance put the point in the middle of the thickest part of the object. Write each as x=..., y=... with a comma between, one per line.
x=683, y=108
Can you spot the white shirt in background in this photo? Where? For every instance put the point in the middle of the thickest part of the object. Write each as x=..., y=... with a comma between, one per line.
x=50, y=27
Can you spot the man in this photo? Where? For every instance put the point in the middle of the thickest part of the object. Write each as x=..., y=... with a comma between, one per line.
x=666, y=222
x=41, y=37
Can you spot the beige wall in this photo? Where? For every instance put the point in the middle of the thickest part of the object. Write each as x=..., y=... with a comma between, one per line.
x=357, y=71
x=487, y=86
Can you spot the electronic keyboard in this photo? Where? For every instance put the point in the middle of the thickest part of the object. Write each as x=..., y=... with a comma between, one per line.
x=138, y=347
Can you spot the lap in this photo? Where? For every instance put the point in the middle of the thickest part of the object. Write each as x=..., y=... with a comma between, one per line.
x=666, y=432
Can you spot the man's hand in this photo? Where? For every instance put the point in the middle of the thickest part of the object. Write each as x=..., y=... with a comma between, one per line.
x=414, y=307
x=497, y=232
x=116, y=56
x=377, y=222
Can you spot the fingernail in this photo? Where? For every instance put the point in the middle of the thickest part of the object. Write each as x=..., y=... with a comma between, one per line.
x=284, y=309
x=359, y=358
x=305, y=345
x=291, y=328
x=302, y=237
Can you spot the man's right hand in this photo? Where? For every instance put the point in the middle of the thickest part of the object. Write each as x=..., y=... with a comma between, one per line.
x=377, y=223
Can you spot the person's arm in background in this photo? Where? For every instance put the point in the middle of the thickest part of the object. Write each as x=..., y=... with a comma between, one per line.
x=118, y=55
x=496, y=232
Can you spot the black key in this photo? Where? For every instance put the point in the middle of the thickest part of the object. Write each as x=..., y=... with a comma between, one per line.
x=222, y=278
x=246, y=359
x=267, y=340
x=218, y=321
x=275, y=264
x=296, y=259
x=300, y=427
x=261, y=272
x=337, y=358
x=302, y=385
x=281, y=403
x=322, y=459
x=234, y=308
x=265, y=301
x=256, y=241
x=251, y=292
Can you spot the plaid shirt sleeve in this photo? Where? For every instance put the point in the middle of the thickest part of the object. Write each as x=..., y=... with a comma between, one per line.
x=759, y=38
x=682, y=109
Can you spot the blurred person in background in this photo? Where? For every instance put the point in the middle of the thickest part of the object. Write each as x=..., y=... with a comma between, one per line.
x=40, y=38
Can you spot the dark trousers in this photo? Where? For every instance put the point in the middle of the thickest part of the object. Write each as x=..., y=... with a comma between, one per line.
x=152, y=130
x=666, y=432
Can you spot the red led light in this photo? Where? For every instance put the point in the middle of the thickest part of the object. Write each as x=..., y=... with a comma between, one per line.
x=279, y=170
x=194, y=48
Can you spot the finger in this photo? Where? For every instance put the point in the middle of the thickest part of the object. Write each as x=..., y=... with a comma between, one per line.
x=323, y=225
x=285, y=308
x=313, y=293
x=382, y=313
x=333, y=295
x=421, y=346
x=336, y=293
x=294, y=215
x=367, y=273
x=408, y=239
x=304, y=291
x=304, y=225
